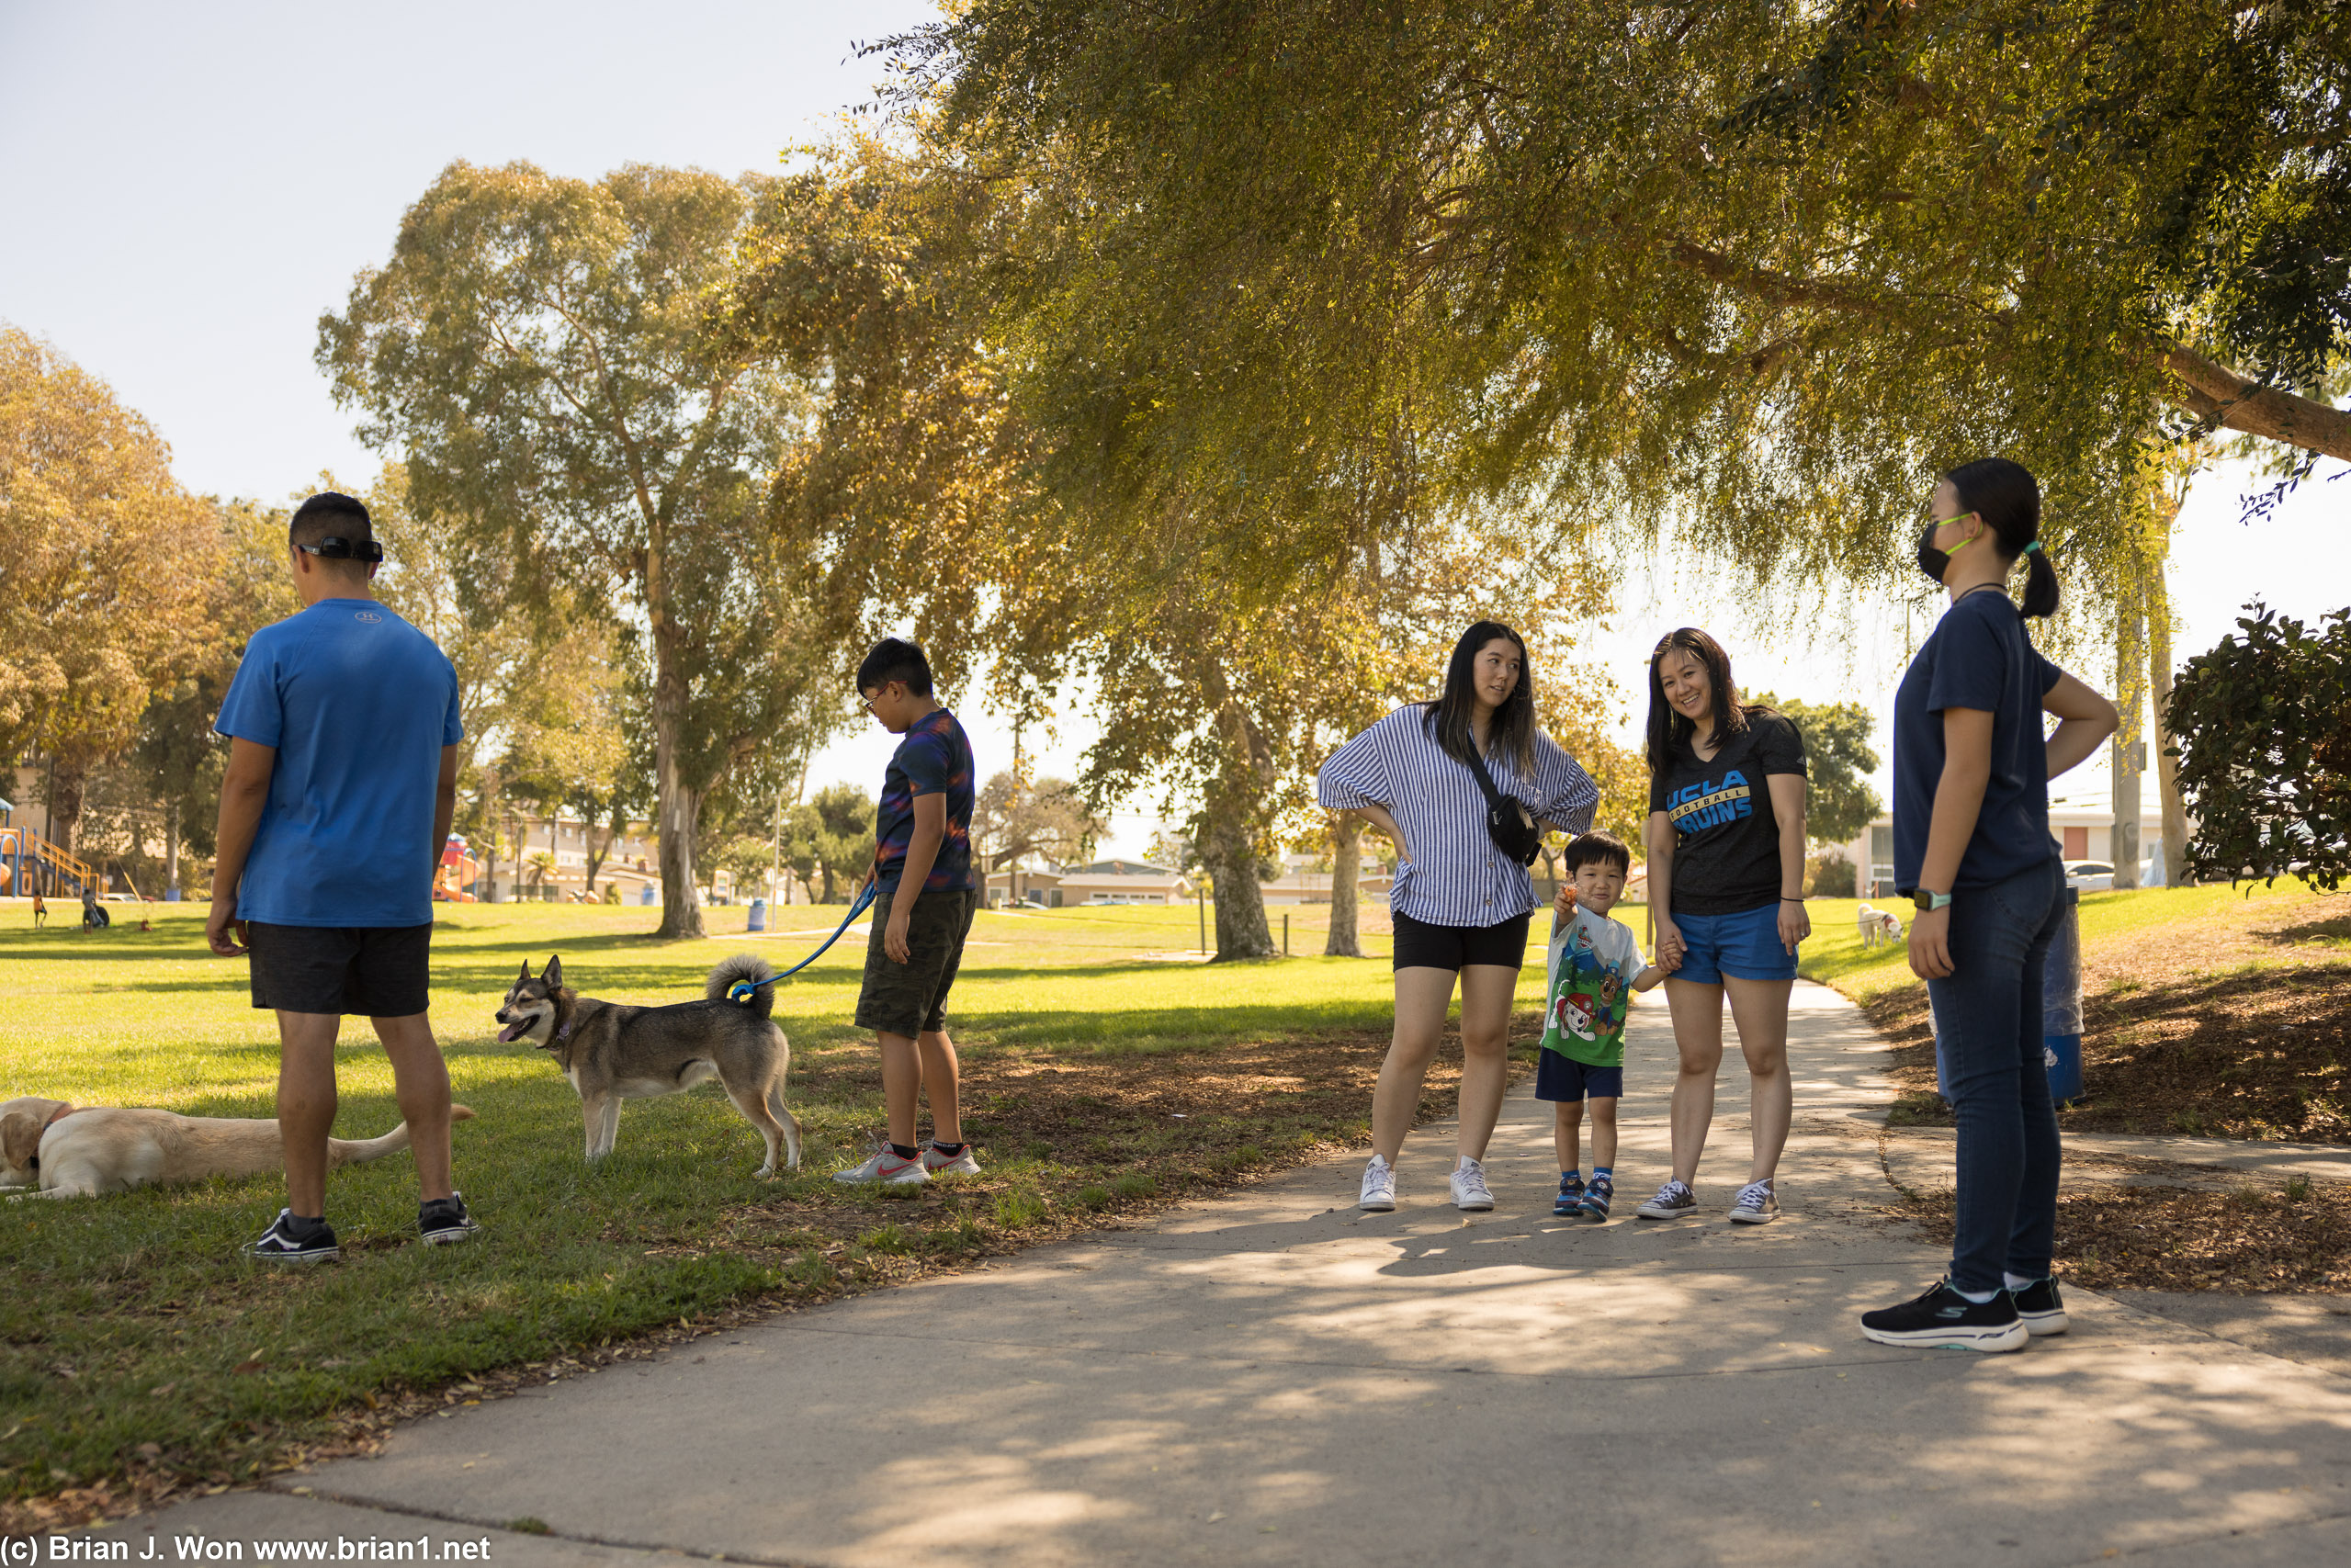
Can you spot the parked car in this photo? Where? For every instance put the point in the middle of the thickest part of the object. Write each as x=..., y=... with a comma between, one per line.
x=2089, y=875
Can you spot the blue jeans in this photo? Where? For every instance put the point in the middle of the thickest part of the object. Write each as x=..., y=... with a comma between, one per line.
x=1988, y=1023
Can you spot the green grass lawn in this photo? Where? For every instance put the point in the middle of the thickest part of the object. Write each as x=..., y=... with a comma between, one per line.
x=140, y=1352
x=1834, y=956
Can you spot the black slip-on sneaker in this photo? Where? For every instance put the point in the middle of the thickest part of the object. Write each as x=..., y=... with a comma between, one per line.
x=444, y=1221
x=1943, y=1319
x=2041, y=1308
x=289, y=1240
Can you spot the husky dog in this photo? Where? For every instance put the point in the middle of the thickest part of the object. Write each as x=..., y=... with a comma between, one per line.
x=70, y=1151
x=612, y=1051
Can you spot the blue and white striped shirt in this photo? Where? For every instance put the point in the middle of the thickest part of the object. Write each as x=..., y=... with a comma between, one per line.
x=1456, y=877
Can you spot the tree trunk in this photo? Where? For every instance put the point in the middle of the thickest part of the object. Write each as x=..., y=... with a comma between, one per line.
x=1345, y=871
x=65, y=785
x=171, y=846
x=2130, y=696
x=1231, y=815
x=2159, y=671
x=489, y=874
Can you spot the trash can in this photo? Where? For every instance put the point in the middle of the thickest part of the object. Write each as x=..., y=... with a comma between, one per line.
x=2061, y=1010
x=645, y=893
x=2061, y=1003
x=758, y=916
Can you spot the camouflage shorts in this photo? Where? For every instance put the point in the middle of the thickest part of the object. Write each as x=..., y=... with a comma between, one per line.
x=910, y=998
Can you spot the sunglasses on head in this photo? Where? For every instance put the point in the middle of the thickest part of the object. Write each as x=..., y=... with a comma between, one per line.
x=344, y=549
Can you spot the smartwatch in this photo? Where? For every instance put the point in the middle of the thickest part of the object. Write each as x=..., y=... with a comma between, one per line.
x=1929, y=902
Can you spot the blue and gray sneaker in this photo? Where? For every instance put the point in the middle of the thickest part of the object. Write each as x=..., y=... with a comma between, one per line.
x=1571, y=1195
x=1595, y=1200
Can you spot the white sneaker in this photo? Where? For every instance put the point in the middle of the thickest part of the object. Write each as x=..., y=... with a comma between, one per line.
x=938, y=1164
x=1470, y=1190
x=1379, y=1187
x=885, y=1168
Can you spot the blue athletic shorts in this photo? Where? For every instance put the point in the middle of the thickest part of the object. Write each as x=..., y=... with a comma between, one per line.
x=1746, y=946
x=1560, y=1076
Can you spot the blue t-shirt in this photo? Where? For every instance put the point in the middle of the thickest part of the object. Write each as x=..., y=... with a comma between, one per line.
x=359, y=704
x=1978, y=657
x=933, y=758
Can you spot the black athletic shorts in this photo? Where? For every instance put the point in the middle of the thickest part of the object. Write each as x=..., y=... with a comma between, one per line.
x=373, y=971
x=910, y=998
x=1419, y=945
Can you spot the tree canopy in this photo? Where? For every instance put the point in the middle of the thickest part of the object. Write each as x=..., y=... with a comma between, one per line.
x=1751, y=274
x=106, y=568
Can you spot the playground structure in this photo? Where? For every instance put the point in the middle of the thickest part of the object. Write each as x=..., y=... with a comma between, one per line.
x=459, y=871
x=29, y=864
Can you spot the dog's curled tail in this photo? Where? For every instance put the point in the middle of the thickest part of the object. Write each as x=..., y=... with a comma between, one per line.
x=741, y=967
x=360, y=1151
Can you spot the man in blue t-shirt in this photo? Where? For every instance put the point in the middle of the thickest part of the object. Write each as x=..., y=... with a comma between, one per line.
x=924, y=899
x=343, y=728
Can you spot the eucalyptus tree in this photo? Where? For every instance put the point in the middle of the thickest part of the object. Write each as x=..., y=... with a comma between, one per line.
x=543, y=354
x=1748, y=273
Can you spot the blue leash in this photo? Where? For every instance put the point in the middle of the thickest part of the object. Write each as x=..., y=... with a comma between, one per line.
x=743, y=990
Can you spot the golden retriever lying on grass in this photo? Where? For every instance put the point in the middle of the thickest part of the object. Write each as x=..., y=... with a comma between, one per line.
x=68, y=1151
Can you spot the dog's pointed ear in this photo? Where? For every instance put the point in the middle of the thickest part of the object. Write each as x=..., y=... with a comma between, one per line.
x=553, y=973
x=19, y=1138
x=526, y=971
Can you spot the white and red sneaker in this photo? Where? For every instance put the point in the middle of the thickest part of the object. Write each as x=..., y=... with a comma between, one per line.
x=887, y=1168
x=938, y=1162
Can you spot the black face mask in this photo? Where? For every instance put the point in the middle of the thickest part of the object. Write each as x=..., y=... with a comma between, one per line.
x=1932, y=561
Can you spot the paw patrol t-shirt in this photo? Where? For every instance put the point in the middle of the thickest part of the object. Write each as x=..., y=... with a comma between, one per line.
x=1594, y=961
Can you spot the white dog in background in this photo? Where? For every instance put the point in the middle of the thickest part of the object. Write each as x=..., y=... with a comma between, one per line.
x=1879, y=925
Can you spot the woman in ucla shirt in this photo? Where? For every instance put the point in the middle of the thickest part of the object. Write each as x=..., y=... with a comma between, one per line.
x=1726, y=861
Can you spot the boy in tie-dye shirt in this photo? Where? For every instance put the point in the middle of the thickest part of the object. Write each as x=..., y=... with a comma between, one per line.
x=923, y=904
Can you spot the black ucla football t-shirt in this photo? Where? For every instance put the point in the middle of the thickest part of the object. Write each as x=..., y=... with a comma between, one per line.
x=1726, y=841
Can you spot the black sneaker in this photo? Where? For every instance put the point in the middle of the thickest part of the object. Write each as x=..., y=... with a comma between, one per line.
x=1943, y=1319
x=2042, y=1309
x=1673, y=1201
x=444, y=1220
x=289, y=1240
x=1571, y=1196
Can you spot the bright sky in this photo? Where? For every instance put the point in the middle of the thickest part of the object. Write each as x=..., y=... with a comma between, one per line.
x=186, y=189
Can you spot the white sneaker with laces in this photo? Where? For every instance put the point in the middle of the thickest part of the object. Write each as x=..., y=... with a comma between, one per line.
x=958, y=1163
x=1379, y=1187
x=1470, y=1190
x=885, y=1168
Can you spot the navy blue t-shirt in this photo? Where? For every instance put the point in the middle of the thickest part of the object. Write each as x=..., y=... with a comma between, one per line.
x=1979, y=657
x=933, y=758
x=359, y=704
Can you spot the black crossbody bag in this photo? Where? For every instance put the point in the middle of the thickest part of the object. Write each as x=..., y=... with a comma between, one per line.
x=1507, y=822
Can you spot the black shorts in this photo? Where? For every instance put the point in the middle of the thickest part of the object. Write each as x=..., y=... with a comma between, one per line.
x=373, y=971
x=1419, y=945
x=910, y=998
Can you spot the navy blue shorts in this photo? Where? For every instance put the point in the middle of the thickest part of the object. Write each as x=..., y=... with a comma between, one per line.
x=1746, y=946
x=1560, y=1076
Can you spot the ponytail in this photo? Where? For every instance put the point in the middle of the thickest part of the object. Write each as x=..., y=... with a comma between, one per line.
x=2005, y=495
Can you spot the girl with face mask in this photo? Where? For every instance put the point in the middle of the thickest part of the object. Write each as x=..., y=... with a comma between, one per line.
x=1971, y=849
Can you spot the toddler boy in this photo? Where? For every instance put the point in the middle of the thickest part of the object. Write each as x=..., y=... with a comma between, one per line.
x=1595, y=965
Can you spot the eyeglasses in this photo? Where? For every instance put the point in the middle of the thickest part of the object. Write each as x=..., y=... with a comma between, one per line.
x=344, y=549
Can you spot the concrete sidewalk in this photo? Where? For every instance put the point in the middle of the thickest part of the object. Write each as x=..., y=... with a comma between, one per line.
x=1277, y=1379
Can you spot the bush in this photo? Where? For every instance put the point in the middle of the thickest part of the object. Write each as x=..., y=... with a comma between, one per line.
x=1834, y=876
x=2263, y=724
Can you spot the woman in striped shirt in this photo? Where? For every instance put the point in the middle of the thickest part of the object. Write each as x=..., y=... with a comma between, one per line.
x=1461, y=905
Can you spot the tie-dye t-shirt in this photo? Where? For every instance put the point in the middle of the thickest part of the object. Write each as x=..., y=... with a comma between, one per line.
x=933, y=758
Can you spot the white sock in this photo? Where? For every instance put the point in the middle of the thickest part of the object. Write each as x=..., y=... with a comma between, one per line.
x=1978, y=1297
x=2015, y=1282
